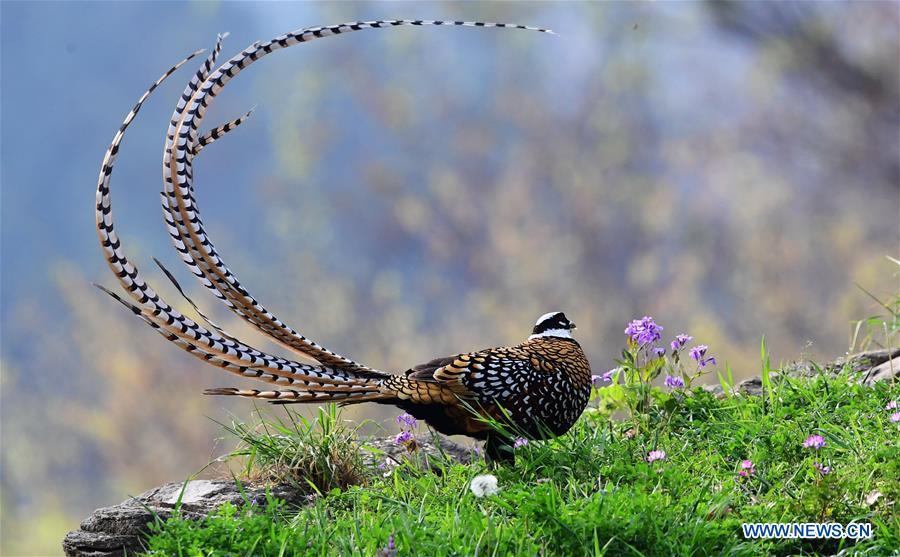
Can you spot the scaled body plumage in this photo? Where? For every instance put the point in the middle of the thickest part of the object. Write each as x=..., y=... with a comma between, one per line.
x=545, y=381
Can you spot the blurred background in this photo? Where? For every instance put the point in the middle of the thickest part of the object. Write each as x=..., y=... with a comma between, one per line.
x=731, y=169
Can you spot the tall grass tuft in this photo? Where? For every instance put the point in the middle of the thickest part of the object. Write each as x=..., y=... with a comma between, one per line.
x=320, y=453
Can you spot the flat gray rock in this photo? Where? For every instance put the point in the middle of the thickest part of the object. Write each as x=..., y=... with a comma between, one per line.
x=113, y=531
x=868, y=368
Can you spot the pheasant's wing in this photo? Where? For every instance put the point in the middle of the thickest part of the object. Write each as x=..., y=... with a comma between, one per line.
x=425, y=372
x=512, y=377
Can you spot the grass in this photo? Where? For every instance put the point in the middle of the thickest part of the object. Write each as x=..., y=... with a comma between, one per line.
x=315, y=455
x=880, y=330
x=591, y=492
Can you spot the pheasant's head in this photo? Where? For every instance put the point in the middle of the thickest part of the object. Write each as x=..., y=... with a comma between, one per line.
x=553, y=324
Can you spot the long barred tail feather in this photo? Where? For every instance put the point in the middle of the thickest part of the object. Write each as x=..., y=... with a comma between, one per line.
x=191, y=302
x=293, y=396
x=242, y=371
x=183, y=239
x=202, y=343
x=178, y=287
x=216, y=133
x=179, y=206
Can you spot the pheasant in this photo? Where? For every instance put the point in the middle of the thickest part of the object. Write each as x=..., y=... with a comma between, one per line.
x=542, y=385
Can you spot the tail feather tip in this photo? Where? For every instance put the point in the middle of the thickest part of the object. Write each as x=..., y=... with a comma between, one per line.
x=224, y=391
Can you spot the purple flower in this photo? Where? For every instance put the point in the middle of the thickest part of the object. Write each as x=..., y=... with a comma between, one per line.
x=814, y=441
x=822, y=469
x=659, y=351
x=598, y=380
x=653, y=456
x=520, y=442
x=644, y=331
x=407, y=420
x=674, y=382
x=680, y=341
x=891, y=405
x=698, y=353
x=403, y=438
x=747, y=468
x=895, y=417
x=390, y=550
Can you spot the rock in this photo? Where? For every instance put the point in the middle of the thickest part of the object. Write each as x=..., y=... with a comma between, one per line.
x=121, y=529
x=884, y=365
x=717, y=390
x=435, y=448
x=751, y=387
x=869, y=367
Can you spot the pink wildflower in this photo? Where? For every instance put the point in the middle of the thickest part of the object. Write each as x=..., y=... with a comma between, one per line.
x=814, y=442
